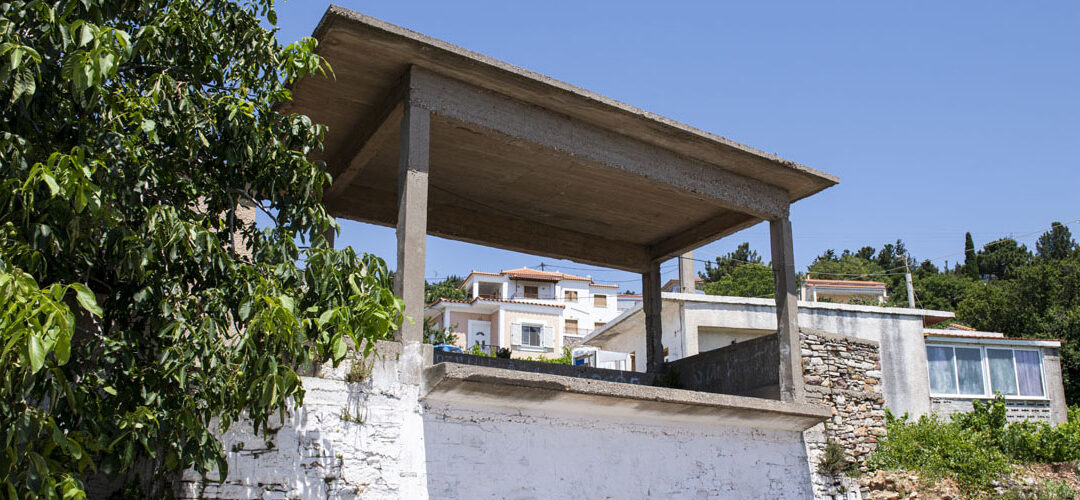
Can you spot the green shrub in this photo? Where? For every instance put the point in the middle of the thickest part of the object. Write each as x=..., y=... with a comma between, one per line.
x=935, y=449
x=1024, y=441
x=977, y=447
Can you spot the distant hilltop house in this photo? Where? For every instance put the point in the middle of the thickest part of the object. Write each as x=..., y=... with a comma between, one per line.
x=844, y=291
x=534, y=313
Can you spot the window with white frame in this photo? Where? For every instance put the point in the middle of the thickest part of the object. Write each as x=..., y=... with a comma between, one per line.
x=532, y=335
x=984, y=371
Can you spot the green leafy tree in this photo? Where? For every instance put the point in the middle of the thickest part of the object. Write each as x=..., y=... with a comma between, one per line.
x=138, y=303
x=847, y=266
x=971, y=259
x=449, y=288
x=1057, y=243
x=727, y=263
x=748, y=280
x=1000, y=259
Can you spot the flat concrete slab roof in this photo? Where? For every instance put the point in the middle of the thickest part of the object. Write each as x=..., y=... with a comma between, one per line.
x=510, y=149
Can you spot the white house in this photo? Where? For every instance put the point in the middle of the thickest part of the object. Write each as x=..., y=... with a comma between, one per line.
x=923, y=370
x=531, y=312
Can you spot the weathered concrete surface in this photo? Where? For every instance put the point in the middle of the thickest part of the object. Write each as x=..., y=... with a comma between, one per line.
x=624, y=377
x=484, y=452
x=522, y=390
x=744, y=369
x=633, y=187
x=787, y=310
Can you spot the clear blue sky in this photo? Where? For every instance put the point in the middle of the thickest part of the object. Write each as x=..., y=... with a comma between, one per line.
x=938, y=117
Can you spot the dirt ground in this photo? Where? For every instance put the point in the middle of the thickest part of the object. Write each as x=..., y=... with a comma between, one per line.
x=898, y=484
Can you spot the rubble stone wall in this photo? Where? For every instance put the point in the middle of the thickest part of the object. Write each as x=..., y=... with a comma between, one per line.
x=843, y=373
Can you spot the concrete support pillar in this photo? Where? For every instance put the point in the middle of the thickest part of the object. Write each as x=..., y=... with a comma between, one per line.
x=787, y=311
x=412, y=219
x=687, y=279
x=651, y=304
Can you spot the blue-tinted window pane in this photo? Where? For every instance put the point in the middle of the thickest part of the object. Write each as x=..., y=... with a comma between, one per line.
x=1027, y=367
x=942, y=372
x=1002, y=372
x=969, y=369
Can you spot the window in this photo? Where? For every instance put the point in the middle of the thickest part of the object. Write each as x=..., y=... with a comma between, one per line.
x=961, y=371
x=599, y=300
x=1015, y=372
x=570, y=295
x=570, y=326
x=531, y=335
x=532, y=292
x=598, y=325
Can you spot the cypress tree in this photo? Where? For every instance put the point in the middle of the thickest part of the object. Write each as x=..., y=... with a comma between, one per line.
x=971, y=260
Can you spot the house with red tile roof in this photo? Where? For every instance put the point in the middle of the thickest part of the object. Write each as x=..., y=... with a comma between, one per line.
x=532, y=312
x=844, y=291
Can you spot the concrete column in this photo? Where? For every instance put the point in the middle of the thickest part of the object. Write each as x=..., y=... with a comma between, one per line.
x=787, y=311
x=475, y=289
x=686, y=273
x=651, y=304
x=412, y=219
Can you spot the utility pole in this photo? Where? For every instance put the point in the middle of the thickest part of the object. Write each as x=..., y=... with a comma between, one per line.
x=910, y=286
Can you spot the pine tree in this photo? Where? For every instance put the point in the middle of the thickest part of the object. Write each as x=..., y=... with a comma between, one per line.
x=1057, y=243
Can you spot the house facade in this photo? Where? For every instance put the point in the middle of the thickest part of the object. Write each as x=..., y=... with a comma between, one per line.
x=532, y=312
x=922, y=370
x=844, y=291
x=965, y=365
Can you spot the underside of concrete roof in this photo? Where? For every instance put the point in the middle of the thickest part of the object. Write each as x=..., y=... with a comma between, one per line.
x=526, y=163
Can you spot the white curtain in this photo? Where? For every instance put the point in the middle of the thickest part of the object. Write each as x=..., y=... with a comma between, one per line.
x=942, y=372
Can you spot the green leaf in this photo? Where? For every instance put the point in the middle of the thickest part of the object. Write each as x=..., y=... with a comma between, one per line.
x=35, y=352
x=86, y=299
x=339, y=348
x=54, y=188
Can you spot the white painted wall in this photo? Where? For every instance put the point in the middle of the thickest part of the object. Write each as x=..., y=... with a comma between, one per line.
x=389, y=443
x=485, y=452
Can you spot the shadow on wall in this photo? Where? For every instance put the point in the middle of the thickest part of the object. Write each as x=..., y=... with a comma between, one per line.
x=749, y=368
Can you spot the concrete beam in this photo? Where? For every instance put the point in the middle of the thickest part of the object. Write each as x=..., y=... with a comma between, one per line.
x=651, y=304
x=702, y=234
x=412, y=219
x=787, y=311
x=362, y=149
x=485, y=227
x=461, y=101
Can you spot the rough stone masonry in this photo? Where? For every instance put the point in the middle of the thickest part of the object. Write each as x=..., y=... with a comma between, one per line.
x=843, y=373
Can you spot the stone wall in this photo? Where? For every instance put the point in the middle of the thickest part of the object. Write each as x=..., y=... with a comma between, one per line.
x=843, y=373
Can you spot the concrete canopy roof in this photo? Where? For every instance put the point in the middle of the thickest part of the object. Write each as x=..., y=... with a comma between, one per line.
x=523, y=162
